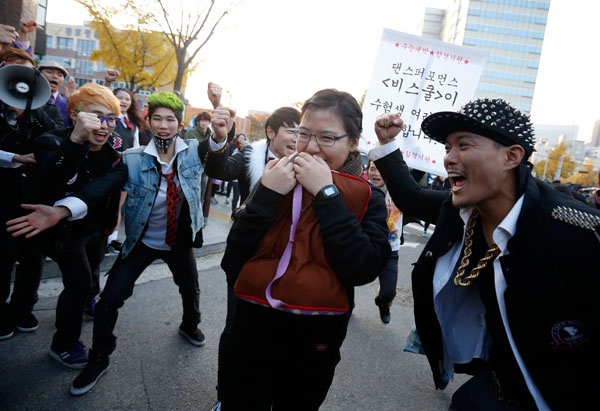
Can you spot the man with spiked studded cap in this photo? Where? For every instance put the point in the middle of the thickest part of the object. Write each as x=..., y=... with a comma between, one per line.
x=501, y=290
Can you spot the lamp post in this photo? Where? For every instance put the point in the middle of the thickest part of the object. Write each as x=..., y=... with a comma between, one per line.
x=545, y=168
x=559, y=168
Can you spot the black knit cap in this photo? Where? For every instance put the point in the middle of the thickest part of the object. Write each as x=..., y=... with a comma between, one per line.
x=492, y=118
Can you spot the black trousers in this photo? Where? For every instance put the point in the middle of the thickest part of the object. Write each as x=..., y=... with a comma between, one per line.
x=120, y=283
x=96, y=254
x=78, y=258
x=232, y=302
x=274, y=360
x=388, y=278
x=27, y=275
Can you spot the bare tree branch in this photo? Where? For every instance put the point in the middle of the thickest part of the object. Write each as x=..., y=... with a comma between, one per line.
x=189, y=60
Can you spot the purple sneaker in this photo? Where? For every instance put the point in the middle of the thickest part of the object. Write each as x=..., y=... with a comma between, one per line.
x=76, y=357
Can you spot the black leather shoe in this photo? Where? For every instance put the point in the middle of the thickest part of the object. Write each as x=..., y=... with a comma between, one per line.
x=384, y=310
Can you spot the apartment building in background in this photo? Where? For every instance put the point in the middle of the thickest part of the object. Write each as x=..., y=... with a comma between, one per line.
x=511, y=31
x=72, y=46
x=13, y=11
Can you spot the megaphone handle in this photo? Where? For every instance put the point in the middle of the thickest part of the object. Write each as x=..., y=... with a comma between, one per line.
x=27, y=117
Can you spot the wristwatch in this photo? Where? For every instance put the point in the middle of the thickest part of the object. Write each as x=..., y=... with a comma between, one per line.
x=326, y=192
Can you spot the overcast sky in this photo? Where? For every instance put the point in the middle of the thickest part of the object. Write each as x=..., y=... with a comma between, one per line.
x=272, y=53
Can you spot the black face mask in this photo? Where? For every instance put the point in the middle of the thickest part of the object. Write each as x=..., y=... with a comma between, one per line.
x=165, y=143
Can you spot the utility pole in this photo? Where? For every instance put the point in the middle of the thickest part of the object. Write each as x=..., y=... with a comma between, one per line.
x=545, y=168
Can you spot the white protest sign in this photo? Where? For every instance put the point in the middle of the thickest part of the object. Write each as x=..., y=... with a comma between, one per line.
x=416, y=76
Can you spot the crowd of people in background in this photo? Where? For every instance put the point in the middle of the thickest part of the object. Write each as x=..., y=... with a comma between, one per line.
x=494, y=296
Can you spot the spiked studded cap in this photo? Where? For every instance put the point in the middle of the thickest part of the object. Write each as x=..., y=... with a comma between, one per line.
x=491, y=118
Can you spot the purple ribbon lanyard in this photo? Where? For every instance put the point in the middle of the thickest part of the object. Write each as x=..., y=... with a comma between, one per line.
x=284, y=262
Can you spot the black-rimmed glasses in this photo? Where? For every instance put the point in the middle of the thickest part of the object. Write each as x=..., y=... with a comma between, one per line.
x=322, y=139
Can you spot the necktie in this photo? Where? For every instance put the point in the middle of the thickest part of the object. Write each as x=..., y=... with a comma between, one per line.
x=52, y=100
x=172, y=201
x=128, y=123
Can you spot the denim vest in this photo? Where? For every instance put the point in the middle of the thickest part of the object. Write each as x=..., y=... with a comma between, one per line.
x=142, y=187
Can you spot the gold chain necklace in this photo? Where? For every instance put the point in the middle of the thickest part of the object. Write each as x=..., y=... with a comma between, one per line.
x=490, y=254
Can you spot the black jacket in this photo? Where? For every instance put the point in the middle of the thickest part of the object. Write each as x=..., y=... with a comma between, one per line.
x=246, y=166
x=65, y=169
x=15, y=184
x=356, y=252
x=551, y=284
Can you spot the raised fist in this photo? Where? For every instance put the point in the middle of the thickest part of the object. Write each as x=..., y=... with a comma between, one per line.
x=222, y=121
x=387, y=127
x=27, y=26
x=8, y=34
x=85, y=125
x=214, y=94
x=111, y=75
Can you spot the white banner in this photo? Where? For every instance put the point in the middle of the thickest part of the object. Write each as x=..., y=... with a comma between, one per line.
x=416, y=76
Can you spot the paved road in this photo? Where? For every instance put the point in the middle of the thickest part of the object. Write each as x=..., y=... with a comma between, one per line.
x=153, y=368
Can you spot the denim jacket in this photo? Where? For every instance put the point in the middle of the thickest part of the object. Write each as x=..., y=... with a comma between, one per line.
x=142, y=187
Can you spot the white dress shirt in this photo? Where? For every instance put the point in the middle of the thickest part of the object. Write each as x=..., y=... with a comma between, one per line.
x=156, y=232
x=157, y=222
x=6, y=160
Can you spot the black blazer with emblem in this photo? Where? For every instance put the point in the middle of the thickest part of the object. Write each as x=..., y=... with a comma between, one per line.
x=552, y=280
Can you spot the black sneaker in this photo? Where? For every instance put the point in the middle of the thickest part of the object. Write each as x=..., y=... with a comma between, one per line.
x=195, y=337
x=25, y=322
x=96, y=367
x=6, y=329
x=116, y=245
x=384, y=310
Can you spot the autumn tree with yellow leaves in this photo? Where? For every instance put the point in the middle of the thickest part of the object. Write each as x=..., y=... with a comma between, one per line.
x=553, y=160
x=143, y=57
x=159, y=40
x=585, y=175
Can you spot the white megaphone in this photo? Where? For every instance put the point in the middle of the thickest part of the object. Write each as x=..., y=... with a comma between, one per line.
x=20, y=85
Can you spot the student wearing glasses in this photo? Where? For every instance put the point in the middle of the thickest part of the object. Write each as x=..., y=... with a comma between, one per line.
x=295, y=289
x=78, y=178
x=163, y=220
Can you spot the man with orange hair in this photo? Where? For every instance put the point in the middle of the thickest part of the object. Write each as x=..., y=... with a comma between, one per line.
x=79, y=178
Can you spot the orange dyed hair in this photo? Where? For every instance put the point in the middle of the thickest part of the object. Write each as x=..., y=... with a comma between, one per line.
x=91, y=93
x=11, y=53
